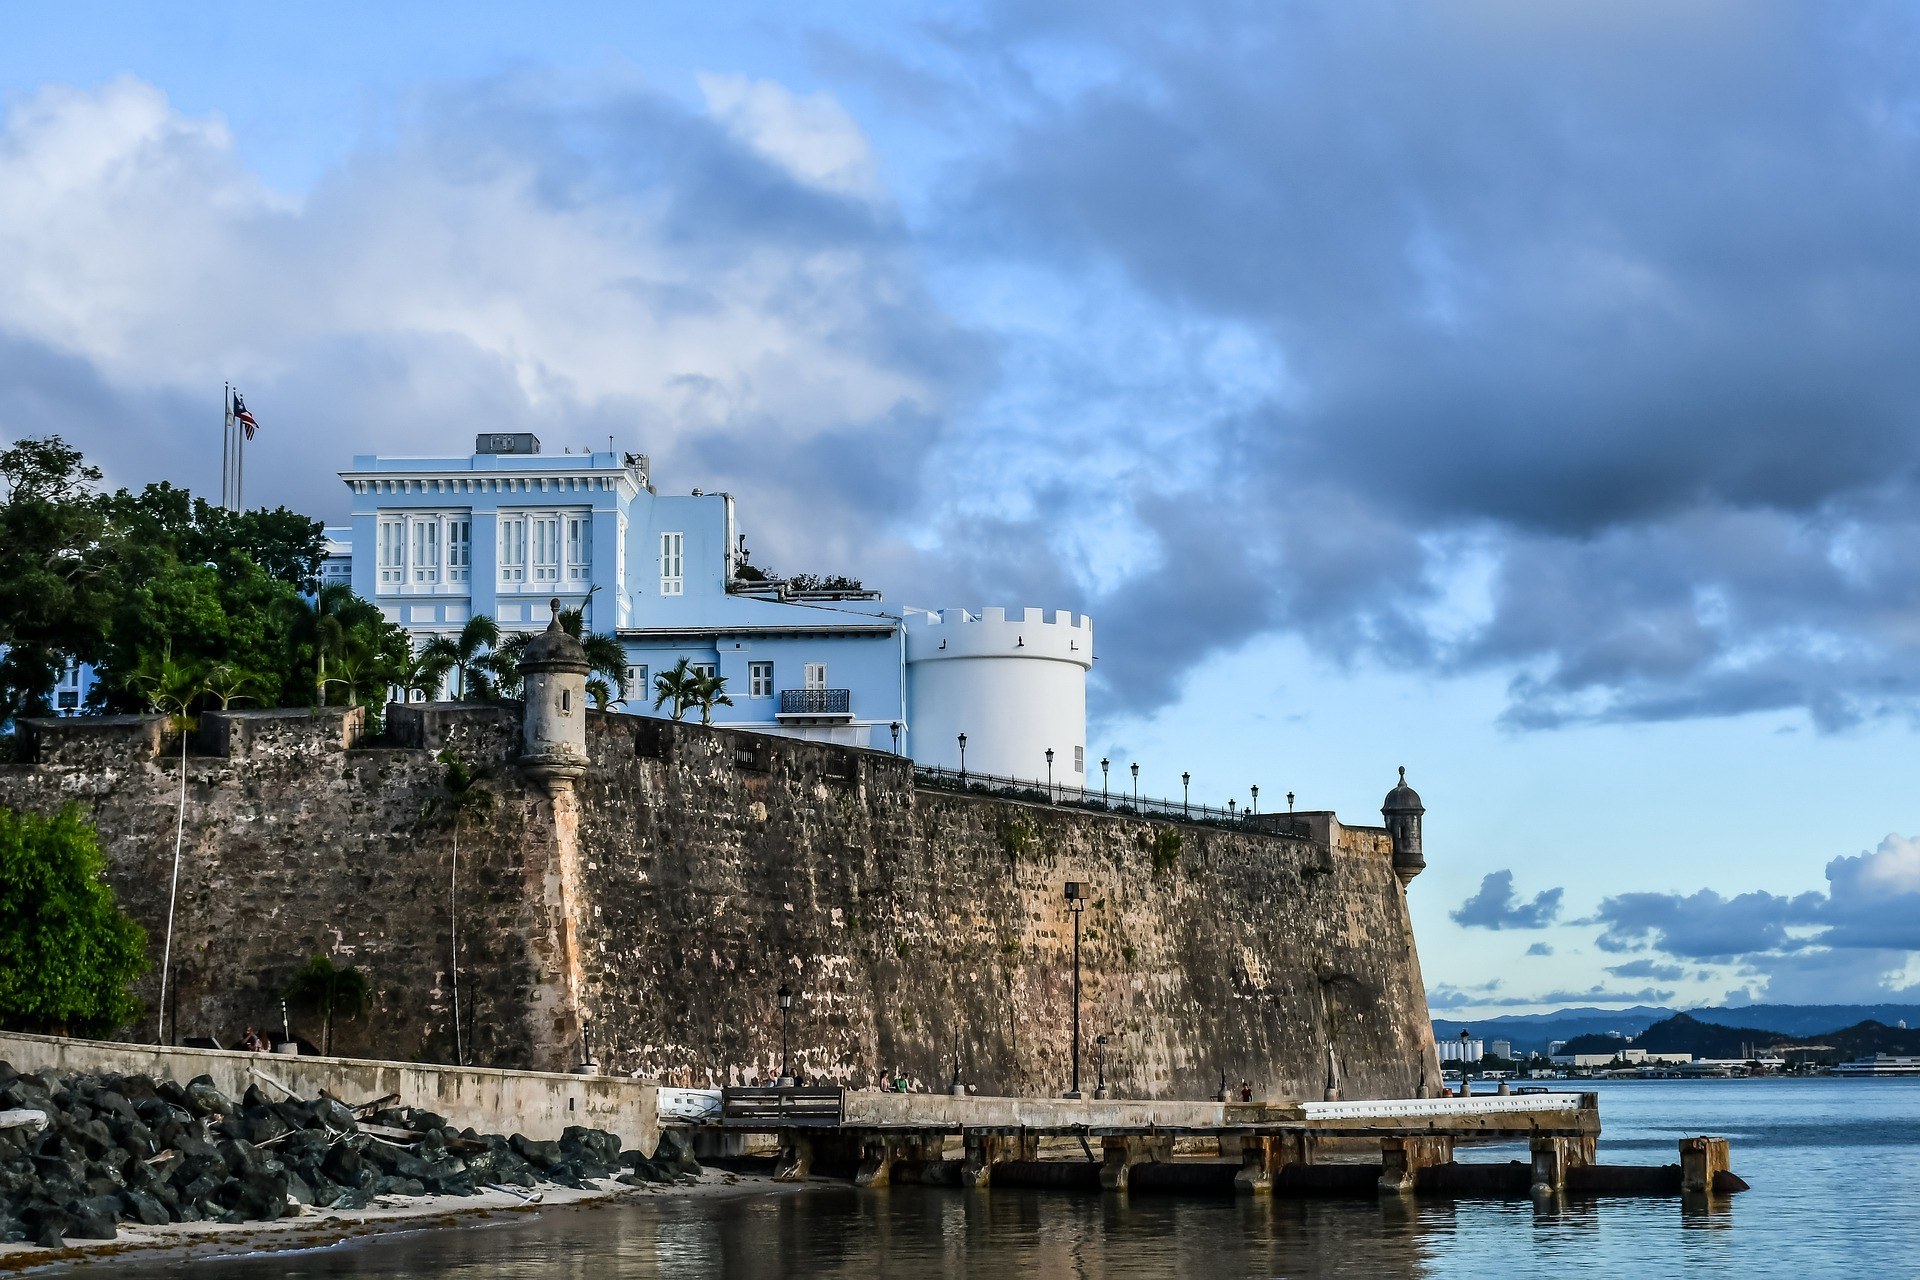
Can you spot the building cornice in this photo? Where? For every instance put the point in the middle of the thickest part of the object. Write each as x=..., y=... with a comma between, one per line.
x=639, y=634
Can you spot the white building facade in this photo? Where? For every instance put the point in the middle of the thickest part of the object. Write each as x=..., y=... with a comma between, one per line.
x=500, y=532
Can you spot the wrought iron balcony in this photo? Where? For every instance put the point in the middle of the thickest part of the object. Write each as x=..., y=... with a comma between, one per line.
x=817, y=703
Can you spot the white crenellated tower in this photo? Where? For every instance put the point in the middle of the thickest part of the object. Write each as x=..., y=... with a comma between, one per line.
x=1013, y=680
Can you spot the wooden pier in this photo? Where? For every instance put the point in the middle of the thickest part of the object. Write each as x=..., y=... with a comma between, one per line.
x=1265, y=1140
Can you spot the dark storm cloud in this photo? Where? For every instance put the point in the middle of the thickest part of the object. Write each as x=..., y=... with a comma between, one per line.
x=1623, y=294
x=1496, y=906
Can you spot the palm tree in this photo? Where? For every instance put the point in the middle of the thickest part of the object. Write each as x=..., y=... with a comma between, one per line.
x=678, y=686
x=709, y=691
x=325, y=625
x=331, y=992
x=425, y=671
x=362, y=671
x=606, y=657
x=228, y=684
x=602, y=693
x=467, y=652
x=502, y=666
x=464, y=802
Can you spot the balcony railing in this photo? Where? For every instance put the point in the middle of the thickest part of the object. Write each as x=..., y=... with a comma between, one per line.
x=1075, y=796
x=816, y=702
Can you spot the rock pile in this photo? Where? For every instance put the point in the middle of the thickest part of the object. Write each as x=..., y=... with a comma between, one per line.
x=115, y=1149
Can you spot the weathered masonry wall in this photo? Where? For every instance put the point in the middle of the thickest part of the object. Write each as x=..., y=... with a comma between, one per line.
x=300, y=842
x=705, y=867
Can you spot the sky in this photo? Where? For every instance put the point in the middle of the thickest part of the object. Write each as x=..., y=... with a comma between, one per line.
x=1523, y=394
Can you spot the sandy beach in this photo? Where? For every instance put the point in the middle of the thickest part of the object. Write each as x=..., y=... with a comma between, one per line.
x=316, y=1228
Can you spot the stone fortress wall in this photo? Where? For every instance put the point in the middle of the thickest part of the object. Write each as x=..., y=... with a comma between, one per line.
x=665, y=896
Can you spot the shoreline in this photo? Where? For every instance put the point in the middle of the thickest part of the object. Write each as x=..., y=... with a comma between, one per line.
x=314, y=1229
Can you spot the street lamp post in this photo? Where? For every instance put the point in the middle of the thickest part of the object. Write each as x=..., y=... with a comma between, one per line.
x=1049, y=775
x=963, y=759
x=1186, y=785
x=1256, y=799
x=896, y=737
x=1100, y=1058
x=1103, y=782
x=1136, y=787
x=1466, y=1084
x=1289, y=802
x=785, y=995
x=1076, y=902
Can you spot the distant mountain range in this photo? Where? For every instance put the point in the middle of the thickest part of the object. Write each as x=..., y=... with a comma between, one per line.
x=1532, y=1032
x=1683, y=1033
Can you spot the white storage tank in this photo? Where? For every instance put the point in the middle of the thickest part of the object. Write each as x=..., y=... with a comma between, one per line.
x=1013, y=680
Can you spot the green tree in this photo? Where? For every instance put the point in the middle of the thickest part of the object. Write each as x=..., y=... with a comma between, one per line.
x=678, y=685
x=56, y=586
x=468, y=652
x=67, y=952
x=709, y=691
x=331, y=992
x=606, y=656
x=329, y=625
x=424, y=672
x=463, y=802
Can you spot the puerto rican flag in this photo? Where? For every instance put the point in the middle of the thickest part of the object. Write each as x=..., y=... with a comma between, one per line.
x=242, y=416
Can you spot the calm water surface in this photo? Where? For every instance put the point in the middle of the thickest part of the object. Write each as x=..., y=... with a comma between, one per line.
x=1832, y=1163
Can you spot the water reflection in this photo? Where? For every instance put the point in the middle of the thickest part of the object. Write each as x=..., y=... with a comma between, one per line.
x=1829, y=1164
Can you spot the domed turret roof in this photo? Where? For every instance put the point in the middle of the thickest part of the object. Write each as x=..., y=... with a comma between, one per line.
x=1403, y=798
x=553, y=649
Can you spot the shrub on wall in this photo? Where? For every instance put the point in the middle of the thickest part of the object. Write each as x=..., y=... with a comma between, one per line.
x=67, y=951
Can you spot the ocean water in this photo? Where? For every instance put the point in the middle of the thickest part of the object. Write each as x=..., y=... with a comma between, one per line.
x=1835, y=1168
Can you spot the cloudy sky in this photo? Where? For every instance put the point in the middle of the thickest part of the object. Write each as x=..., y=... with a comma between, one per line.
x=1521, y=393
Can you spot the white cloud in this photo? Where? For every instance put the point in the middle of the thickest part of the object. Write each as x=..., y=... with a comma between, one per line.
x=812, y=137
x=625, y=266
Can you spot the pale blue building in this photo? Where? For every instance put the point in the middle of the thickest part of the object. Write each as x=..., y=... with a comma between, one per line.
x=435, y=541
x=506, y=529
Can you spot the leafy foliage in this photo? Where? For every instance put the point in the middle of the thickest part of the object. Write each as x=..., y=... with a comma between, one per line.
x=1165, y=849
x=56, y=591
x=331, y=992
x=467, y=654
x=134, y=582
x=464, y=802
x=67, y=952
x=678, y=685
x=709, y=691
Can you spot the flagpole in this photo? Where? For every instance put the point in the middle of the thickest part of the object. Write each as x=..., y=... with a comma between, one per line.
x=239, y=467
x=226, y=442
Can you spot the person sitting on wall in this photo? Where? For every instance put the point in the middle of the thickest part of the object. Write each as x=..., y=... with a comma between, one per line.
x=252, y=1042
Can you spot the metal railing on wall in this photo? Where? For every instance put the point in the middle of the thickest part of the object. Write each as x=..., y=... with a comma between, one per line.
x=1074, y=796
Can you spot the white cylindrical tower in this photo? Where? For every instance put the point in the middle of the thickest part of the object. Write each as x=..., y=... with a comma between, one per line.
x=553, y=728
x=1014, y=681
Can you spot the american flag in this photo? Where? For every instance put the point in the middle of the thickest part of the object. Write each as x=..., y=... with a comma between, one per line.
x=243, y=417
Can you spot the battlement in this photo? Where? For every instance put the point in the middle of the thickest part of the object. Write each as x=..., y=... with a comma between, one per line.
x=282, y=731
x=996, y=632
x=83, y=742
x=80, y=741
